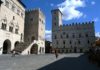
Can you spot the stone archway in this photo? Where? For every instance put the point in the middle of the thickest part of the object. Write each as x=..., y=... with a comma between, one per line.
x=16, y=44
x=34, y=49
x=6, y=46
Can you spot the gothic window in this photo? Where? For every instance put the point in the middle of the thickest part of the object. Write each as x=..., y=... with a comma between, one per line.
x=4, y=26
x=11, y=29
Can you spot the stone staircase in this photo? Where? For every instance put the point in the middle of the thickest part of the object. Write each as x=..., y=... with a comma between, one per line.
x=23, y=48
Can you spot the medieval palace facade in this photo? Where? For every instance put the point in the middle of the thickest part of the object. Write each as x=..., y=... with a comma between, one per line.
x=76, y=37
x=12, y=14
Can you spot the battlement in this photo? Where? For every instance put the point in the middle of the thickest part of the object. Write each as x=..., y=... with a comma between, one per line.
x=31, y=10
x=79, y=24
x=35, y=10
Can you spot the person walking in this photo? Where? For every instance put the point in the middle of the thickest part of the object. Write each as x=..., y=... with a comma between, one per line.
x=56, y=53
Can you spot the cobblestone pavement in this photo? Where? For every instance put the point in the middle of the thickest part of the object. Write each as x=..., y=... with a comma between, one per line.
x=46, y=62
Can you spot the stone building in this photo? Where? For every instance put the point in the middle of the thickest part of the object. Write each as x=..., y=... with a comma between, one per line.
x=35, y=30
x=75, y=37
x=12, y=14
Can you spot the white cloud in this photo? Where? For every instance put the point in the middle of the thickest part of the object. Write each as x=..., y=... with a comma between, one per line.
x=93, y=2
x=69, y=9
x=96, y=19
x=97, y=34
x=51, y=4
x=48, y=35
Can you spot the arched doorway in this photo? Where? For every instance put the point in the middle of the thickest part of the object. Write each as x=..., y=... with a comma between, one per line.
x=6, y=46
x=16, y=45
x=34, y=49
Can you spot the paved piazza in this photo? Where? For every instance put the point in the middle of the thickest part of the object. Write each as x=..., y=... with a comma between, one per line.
x=46, y=62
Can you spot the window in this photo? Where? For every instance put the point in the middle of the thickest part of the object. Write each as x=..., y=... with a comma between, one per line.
x=61, y=36
x=21, y=36
x=31, y=19
x=80, y=35
x=70, y=42
x=86, y=35
x=73, y=35
x=0, y=2
x=7, y=4
x=16, y=31
x=55, y=37
x=13, y=8
x=18, y=12
x=55, y=23
x=13, y=17
x=63, y=33
x=57, y=43
x=67, y=36
x=88, y=41
x=64, y=42
x=11, y=29
x=22, y=15
x=4, y=26
x=79, y=42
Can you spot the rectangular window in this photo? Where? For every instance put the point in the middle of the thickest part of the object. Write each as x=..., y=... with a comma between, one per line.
x=22, y=15
x=16, y=31
x=4, y=26
x=18, y=12
x=11, y=29
x=13, y=8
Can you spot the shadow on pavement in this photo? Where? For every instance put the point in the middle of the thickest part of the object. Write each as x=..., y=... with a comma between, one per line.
x=71, y=63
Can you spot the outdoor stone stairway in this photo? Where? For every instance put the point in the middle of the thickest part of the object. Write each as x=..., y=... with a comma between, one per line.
x=24, y=48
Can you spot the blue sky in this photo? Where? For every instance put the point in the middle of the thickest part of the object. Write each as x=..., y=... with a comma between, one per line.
x=73, y=10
